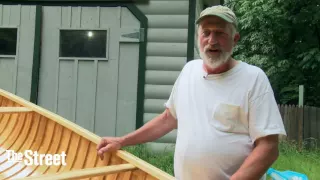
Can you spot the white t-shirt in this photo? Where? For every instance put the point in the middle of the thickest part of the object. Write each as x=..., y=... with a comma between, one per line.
x=219, y=118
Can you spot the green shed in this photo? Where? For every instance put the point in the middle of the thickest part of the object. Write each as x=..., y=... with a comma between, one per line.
x=108, y=66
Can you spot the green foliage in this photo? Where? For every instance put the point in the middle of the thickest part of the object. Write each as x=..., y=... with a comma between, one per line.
x=283, y=38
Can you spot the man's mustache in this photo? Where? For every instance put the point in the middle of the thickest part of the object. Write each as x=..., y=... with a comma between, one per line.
x=210, y=47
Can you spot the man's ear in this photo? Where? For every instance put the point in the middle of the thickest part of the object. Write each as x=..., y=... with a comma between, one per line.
x=236, y=38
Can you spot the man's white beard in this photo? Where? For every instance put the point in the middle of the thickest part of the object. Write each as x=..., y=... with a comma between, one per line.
x=213, y=61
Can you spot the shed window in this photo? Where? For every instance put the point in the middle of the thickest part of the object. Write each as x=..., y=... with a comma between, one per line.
x=83, y=43
x=8, y=41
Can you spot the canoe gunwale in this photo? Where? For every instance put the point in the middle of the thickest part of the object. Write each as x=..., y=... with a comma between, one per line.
x=6, y=110
x=139, y=163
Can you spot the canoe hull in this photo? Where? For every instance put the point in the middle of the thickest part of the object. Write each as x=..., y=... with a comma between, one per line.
x=26, y=127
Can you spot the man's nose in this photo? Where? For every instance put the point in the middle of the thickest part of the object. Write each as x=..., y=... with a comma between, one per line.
x=212, y=38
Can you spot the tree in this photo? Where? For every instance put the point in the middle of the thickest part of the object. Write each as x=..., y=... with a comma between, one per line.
x=283, y=38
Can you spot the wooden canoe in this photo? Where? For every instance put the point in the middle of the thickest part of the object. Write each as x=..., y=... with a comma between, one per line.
x=26, y=126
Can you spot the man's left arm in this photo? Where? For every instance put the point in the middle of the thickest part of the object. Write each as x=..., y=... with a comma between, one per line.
x=265, y=126
x=264, y=154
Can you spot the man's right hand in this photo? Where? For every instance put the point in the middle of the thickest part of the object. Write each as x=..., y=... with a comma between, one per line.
x=108, y=144
x=152, y=130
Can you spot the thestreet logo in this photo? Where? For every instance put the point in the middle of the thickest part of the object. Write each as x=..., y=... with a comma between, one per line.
x=33, y=158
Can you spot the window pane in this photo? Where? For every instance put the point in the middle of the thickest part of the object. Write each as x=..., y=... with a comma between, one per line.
x=8, y=41
x=83, y=43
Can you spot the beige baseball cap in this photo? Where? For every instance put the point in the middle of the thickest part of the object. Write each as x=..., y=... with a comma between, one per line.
x=220, y=11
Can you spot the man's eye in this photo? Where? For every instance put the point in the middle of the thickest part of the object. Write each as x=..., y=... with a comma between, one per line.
x=206, y=33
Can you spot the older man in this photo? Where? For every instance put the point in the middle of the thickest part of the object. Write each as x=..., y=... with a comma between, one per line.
x=224, y=110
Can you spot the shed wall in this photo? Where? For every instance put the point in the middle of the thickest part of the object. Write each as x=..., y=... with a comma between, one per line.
x=166, y=54
x=16, y=70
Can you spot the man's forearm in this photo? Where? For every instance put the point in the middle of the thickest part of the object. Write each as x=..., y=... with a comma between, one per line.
x=257, y=163
x=151, y=131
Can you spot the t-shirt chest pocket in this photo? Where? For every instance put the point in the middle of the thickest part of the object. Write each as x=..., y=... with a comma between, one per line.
x=225, y=117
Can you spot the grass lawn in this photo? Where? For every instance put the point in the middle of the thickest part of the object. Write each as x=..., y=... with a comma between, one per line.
x=303, y=161
x=163, y=161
